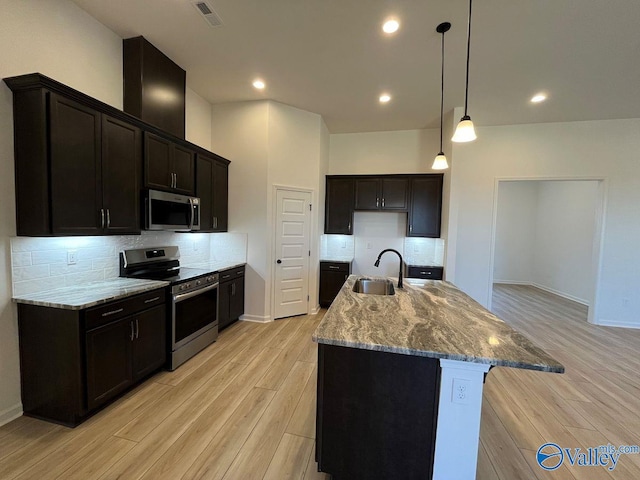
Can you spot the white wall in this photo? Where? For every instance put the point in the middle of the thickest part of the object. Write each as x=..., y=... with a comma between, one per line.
x=60, y=40
x=565, y=228
x=515, y=232
x=596, y=149
x=239, y=133
x=197, y=119
x=269, y=144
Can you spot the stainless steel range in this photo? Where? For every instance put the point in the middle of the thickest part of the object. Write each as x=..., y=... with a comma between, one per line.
x=194, y=298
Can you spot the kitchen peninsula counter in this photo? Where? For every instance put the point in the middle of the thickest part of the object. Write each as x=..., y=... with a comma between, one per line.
x=400, y=380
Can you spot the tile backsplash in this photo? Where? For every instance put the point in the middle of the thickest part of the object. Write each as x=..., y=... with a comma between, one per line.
x=41, y=264
x=424, y=251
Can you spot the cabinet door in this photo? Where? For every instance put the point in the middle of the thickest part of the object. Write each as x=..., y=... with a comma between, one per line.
x=150, y=342
x=204, y=190
x=338, y=215
x=157, y=162
x=183, y=169
x=224, y=305
x=76, y=177
x=367, y=194
x=220, y=196
x=395, y=194
x=330, y=284
x=236, y=304
x=426, y=207
x=108, y=361
x=121, y=167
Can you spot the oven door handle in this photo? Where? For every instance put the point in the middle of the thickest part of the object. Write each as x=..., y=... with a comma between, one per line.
x=185, y=296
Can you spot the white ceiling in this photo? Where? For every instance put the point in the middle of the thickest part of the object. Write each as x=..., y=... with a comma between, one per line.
x=330, y=56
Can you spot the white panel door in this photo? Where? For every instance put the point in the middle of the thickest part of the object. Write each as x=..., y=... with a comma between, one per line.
x=293, y=225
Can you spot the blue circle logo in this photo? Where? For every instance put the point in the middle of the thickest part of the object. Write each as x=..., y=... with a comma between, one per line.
x=550, y=456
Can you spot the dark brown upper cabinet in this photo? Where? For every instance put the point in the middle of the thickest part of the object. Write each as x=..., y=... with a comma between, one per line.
x=212, y=187
x=339, y=203
x=418, y=195
x=168, y=166
x=85, y=179
x=154, y=86
x=382, y=193
x=426, y=206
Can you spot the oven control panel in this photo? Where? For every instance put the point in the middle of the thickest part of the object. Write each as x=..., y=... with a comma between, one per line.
x=195, y=284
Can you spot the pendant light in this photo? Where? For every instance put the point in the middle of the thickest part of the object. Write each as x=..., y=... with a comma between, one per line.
x=465, y=131
x=440, y=163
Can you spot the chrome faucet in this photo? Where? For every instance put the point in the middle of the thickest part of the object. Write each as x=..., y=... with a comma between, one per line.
x=377, y=264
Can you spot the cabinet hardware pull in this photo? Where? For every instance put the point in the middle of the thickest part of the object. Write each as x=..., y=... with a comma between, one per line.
x=215, y=222
x=349, y=228
x=334, y=268
x=425, y=273
x=108, y=218
x=410, y=228
x=112, y=312
x=131, y=335
x=239, y=273
x=377, y=202
x=233, y=289
x=152, y=299
x=102, y=218
x=137, y=328
x=226, y=276
x=382, y=202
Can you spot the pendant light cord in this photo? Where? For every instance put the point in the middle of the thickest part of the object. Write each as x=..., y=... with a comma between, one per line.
x=442, y=91
x=466, y=89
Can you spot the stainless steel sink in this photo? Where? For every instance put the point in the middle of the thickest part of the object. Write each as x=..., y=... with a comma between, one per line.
x=377, y=286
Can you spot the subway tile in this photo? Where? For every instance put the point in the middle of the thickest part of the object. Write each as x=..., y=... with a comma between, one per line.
x=41, y=257
x=103, y=263
x=21, y=259
x=30, y=273
x=83, y=278
x=37, y=285
x=64, y=269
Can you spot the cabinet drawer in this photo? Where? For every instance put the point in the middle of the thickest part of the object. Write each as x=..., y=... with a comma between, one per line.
x=236, y=272
x=97, y=316
x=433, y=273
x=335, y=266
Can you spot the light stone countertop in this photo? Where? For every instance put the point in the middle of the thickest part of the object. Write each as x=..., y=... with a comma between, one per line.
x=215, y=266
x=337, y=259
x=90, y=294
x=429, y=318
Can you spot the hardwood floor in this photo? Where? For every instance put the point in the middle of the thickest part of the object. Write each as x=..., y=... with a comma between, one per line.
x=595, y=402
x=244, y=408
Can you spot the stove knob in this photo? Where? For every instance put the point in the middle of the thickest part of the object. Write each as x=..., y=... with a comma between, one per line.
x=198, y=282
x=181, y=287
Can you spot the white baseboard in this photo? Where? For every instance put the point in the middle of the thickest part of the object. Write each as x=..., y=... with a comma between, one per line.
x=561, y=294
x=10, y=413
x=614, y=323
x=546, y=289
x=315, y=310
x=256, y=318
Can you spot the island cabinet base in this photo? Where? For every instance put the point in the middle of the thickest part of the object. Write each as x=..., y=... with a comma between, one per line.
x=376, y=414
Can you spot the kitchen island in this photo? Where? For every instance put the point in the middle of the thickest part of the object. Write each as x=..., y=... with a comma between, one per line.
x=400, y=380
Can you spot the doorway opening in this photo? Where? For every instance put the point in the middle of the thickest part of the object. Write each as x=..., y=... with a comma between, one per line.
x=547, y=233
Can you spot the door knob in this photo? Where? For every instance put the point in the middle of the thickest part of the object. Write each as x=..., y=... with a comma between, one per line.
x=278, y=261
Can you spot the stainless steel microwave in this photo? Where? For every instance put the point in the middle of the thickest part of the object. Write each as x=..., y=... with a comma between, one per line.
x=172, y=212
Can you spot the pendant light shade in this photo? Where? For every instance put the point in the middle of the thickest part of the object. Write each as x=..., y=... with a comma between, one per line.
x=465, y=131
x=440, y=162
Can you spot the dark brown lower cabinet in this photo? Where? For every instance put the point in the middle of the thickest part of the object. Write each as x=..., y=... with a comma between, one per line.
x=376, y=414
x=231, y=296
x=72, y=362
x=332, y=277
x=426, y=272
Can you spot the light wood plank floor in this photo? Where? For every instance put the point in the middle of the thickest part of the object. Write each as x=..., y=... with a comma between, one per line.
x=595, y=402
x=245, y=407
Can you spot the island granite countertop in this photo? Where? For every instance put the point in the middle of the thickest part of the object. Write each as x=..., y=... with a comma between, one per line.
x=89, y=295
x=429, y=318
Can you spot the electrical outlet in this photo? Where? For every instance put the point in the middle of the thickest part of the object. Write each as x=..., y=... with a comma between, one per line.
x=195, y=245
x=71, y=257
x=460, y=391
x=368, y=245
x=344, y=244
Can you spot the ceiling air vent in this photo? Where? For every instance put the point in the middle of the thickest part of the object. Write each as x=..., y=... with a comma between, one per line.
x=208, y=13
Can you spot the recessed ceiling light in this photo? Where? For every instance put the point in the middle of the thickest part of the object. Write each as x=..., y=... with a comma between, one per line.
x=539, y=97
x=390, y=26
x=385, y=98
x=259, y=84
